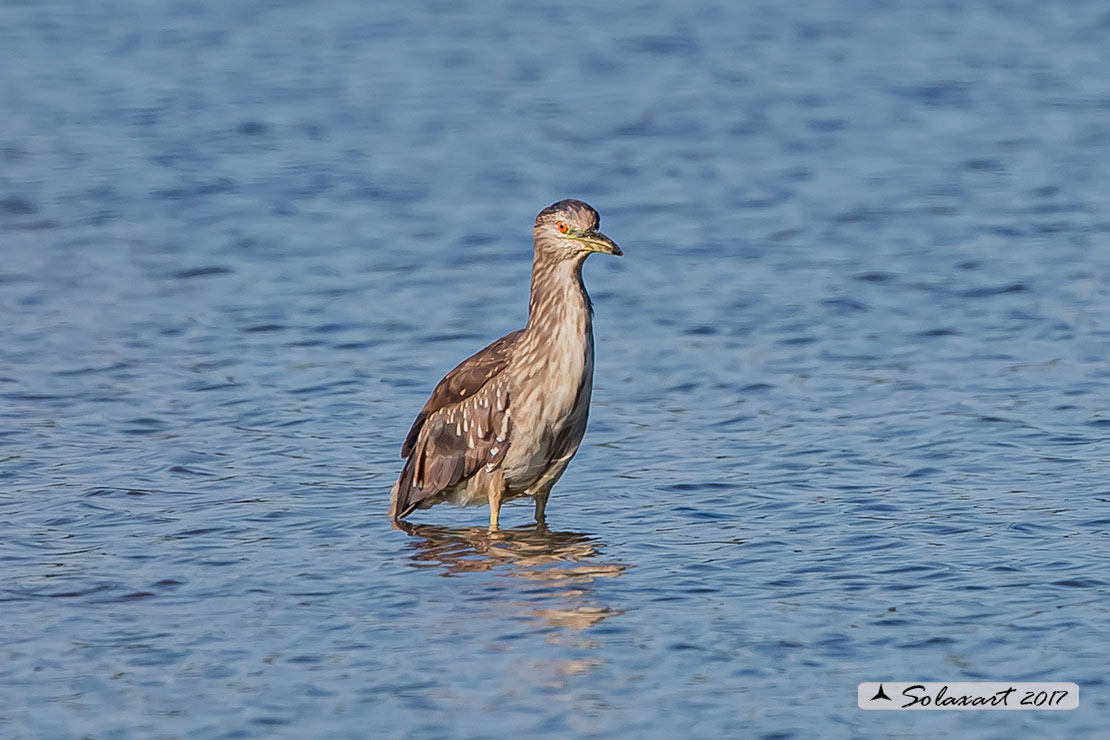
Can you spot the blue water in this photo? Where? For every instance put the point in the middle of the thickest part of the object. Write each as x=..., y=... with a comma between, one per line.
x=850, y=416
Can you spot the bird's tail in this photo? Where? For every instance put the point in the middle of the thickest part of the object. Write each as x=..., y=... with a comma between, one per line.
x=401, y=502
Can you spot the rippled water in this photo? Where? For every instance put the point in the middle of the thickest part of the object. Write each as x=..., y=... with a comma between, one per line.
x=850, y=417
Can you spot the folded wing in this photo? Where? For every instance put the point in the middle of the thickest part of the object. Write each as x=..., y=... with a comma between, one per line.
x=463, y=427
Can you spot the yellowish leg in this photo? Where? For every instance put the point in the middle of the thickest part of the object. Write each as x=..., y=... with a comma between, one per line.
x=496, y=490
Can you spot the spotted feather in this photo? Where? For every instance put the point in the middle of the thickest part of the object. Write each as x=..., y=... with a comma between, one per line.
x=463, y=427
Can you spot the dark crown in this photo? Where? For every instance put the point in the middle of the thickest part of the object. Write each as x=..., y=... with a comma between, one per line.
x=578, y=213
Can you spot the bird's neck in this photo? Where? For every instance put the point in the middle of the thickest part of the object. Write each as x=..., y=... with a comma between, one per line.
x=559, y=300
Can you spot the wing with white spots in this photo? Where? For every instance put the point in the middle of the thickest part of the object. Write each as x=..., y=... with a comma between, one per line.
x=465, y=380
x=463, y=427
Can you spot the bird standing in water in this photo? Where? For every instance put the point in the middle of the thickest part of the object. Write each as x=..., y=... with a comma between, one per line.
x=505, y=423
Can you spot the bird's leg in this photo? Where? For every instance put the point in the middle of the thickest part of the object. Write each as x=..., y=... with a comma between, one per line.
x=541, y=506
x=495, y=493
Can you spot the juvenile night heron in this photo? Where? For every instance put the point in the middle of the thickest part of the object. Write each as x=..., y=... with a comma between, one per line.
x=505, y=423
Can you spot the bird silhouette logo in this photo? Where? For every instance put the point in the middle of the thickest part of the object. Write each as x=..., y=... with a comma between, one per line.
x=880, y=694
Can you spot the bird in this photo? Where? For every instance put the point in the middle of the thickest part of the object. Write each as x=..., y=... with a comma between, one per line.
x=505, y=423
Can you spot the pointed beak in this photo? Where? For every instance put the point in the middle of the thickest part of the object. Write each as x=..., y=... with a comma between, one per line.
x=595, y=241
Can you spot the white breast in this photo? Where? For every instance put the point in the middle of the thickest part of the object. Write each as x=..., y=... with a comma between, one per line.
x=550, y=409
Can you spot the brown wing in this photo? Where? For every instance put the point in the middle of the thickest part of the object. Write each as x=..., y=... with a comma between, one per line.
x=463, y=426
x=465, y=380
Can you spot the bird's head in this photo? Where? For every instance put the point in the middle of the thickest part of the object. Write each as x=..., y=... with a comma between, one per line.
x=568, y=230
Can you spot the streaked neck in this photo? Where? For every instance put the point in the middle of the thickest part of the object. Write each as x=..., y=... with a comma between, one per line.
x=558, y=295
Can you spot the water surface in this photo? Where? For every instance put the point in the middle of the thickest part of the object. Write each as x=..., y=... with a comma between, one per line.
x=850, y=416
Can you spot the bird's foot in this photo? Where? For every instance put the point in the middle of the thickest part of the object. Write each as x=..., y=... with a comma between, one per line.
x=541, y=508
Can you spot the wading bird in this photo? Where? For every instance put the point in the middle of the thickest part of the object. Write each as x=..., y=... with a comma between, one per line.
x=505, y=423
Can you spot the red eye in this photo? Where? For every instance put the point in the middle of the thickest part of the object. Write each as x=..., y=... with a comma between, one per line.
x=562, y=227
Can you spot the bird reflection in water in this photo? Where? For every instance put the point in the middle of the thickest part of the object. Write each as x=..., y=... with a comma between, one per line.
x=532, y=552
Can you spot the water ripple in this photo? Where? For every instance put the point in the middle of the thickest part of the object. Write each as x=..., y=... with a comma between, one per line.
x=849, y=411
